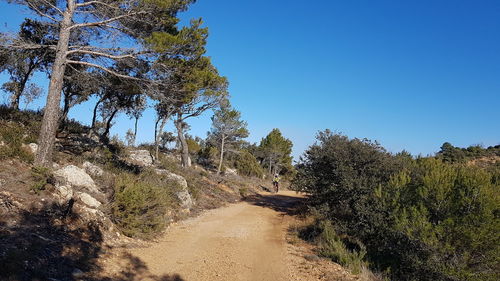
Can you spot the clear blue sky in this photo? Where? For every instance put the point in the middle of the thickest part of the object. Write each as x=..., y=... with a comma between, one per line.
x=410, y=74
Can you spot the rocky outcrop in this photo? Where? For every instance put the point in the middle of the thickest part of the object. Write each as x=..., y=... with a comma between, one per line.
x=88, y=200
x=180, y=180
x=63, y=193
x=183, y=194
x=33, y=147
x=92, y=169
x=141, y=158
x=75, y=177
x=73, y=183
x=230, y=171
x=185, y=199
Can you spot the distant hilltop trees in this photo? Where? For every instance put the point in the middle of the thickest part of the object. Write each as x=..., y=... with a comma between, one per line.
x=453, y=154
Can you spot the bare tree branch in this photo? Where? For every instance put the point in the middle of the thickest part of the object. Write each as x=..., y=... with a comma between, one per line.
x=86, y=4
x=117, y=57
x=104, y=22
x=104, y=69
x=40, y=12
x=103, y=49
x=53, y=7
x=28, y=46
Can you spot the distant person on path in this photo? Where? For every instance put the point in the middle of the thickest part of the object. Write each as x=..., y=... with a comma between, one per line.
x=276, y=181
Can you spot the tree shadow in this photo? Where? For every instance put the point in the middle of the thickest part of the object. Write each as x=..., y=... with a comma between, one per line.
x=45, y=244
x=133, y=268
x=284, y=204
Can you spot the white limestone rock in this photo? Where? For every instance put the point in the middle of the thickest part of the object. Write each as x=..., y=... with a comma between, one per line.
x=230, y=171
x=183, y=195
x=89, y=200
x=64, y=193
x=141, y=158
x=92, y=169
x=75, y=177
x=33, y=147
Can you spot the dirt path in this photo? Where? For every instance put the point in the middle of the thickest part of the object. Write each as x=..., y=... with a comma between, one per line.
x=244, y=241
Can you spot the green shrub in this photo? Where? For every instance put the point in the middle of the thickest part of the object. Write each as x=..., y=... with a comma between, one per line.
x=332, y=246
x=208, y=157
x=169, y=163
x=195, y=183
x=41, y=177
x=451, y=211
x=420, y=219
x=247, y=165
x=193, y=146
x=140, y=203
x=243, y=192
x=13, y=138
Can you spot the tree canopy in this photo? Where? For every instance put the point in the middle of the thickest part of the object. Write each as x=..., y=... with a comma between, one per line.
x=275, y=152
x=227, y=128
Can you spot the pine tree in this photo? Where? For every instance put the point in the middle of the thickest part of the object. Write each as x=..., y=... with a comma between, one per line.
x=227, y=128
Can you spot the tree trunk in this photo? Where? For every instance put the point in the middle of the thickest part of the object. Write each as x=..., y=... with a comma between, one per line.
x=64, y=115
x=16, y=99
x=94, y=116
x=186, y=161
x=105, y=135
x=50, y=120
x=156, y=129
x=135, y=129
x=158, y=136
x=221, y=155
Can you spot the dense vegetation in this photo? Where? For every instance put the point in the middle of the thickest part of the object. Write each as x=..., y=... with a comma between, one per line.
x=414, y=219
x=141, y=203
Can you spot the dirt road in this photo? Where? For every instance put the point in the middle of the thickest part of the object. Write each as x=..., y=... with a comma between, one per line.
x=244, y=241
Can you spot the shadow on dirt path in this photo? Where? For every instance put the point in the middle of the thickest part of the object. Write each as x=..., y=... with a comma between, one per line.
x=45, y=244
x=287, y=203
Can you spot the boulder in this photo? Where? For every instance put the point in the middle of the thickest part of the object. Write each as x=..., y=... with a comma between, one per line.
x=75, y=177
x=97, y=217
x=90, y=214
x=33, y=147
x=183, y=194
x=63, y=193
x=77, y=273
x=185, y=198
x=92, y=169
x=89, y=200
x=180, y=180
x=141, y=158
x=230, y=171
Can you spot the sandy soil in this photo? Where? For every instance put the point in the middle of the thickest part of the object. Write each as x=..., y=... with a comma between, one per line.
x=244, y=241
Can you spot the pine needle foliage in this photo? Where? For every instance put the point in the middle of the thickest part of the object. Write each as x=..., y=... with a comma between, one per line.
x=420, y=219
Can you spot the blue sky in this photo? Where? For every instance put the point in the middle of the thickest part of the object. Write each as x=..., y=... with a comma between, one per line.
x=410, y=74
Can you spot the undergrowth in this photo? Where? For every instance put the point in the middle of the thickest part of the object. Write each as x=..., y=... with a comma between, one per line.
x=12, y=141
x=141, y=202
x=339, y=249
x=41, y=177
